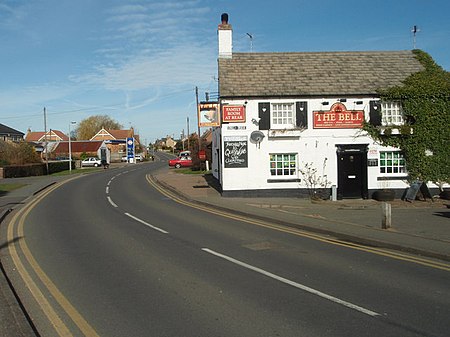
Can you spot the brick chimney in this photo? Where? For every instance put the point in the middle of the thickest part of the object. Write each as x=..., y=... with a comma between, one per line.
x=225, y=37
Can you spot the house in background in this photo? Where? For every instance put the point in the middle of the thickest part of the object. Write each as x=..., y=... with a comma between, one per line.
x=289, y=115
x=116, y=142
x=49, y=136
x=81, y=149
x=10, y=134
x=45, y=141
x=166, y=143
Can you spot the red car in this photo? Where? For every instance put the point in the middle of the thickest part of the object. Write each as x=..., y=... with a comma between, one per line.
x=181, y=162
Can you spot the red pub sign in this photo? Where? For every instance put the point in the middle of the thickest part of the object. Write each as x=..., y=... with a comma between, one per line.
x=233, y=113
x=338, y=117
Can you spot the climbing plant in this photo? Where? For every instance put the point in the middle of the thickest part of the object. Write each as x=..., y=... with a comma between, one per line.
x=425, y=137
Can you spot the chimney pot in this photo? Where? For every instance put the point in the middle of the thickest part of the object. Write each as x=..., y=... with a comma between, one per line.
x=224, y=18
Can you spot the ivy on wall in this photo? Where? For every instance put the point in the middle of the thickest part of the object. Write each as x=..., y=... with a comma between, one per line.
x=425, y=137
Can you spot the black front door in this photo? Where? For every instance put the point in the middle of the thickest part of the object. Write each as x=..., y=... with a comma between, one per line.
x=352, y=171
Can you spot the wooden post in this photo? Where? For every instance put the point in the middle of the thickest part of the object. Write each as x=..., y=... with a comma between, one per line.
x=386, y=215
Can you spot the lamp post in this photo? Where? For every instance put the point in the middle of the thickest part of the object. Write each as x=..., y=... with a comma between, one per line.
x=70, y=149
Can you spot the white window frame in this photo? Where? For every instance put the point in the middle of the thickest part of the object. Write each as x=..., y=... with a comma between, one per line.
x=392, y=113
x=392, y=163
x=282, y=115
x=283, y=165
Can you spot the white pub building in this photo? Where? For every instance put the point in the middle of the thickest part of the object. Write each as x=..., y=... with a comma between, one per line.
x=291, y=118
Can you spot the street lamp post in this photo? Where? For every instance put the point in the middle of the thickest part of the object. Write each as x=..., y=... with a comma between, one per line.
x=70, y=149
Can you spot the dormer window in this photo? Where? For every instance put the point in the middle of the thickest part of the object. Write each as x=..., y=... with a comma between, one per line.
x=392, y=113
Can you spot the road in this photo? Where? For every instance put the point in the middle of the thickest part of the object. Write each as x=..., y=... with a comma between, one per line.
x=107, y=254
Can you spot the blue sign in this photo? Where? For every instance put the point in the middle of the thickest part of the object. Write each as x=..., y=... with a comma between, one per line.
x=130, y=148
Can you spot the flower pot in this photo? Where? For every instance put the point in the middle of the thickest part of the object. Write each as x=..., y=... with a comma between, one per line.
x=384, y=195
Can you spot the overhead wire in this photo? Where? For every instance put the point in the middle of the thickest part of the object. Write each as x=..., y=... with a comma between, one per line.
x=94, y=108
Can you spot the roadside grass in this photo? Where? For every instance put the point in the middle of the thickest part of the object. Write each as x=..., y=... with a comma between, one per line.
x=76, y=171
x=5, y=188
x=190, y=171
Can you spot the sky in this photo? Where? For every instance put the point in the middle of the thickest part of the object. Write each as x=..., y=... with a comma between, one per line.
x=140, y=61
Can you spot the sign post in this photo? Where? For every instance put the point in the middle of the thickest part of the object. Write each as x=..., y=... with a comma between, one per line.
x=130, y=150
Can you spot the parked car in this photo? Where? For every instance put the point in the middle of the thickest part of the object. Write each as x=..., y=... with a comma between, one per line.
x=181, y=162
x=91, y=161
x=185, y=154
x=137, y=158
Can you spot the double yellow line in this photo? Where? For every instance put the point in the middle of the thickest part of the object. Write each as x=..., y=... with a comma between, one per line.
x=18, y=246
x=378, y=251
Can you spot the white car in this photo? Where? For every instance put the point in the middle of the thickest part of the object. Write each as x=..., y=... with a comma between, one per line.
x=91, y=161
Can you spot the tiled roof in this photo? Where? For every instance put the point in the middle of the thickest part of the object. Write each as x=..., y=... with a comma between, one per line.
x=6, y=130
x=34, y=136
x=120, y=134
x=112, y=134
x=314, y=73
x=78, y=146
x=60, y=134
x=38, y=136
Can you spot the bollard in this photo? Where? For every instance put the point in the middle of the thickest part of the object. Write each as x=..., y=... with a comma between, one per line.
x=386, y=215
x=333, y=193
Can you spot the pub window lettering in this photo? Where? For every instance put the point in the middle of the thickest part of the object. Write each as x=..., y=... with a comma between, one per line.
x=283, y=115
x=283, y=164
x=392, y=162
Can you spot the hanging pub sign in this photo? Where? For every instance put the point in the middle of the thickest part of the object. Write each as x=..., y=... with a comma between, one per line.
x=233, y=114
x=338, y=117
x=235, y=151
x=208, y=114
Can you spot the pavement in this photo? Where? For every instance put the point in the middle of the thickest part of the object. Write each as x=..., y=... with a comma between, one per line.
x=419, y=227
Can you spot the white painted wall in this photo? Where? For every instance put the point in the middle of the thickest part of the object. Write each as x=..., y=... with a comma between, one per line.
x=313, y=145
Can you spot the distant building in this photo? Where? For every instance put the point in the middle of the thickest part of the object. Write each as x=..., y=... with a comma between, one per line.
x=116, y=142
x=10, y=134
x=49, y=136
x=166, y=143
x=81, y=148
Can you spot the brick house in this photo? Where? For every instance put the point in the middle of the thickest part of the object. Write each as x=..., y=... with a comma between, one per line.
x=116, y=141
x=41, y=136
x=82, y=148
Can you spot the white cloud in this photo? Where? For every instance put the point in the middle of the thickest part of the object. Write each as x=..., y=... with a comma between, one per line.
x=152, y=45
x=171, y=68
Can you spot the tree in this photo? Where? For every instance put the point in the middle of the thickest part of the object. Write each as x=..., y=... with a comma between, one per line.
x=88, y=127
x=425, y=137
x=18, y=153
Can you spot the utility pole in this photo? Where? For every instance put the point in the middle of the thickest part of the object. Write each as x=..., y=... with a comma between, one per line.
x=45, y=139
x=198, y=120
x=188, y=134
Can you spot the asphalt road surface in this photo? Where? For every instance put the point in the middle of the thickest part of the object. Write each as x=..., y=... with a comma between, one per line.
x=107, y=254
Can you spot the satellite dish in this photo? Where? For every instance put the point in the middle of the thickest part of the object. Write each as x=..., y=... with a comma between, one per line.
x=257, y=137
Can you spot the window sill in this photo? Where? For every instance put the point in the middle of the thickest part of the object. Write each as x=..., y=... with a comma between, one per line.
x=393, y=130
x=285, y=133
x=400, y=176
x=291, y=180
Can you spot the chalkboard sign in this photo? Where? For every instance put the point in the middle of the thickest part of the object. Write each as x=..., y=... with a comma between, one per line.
x=414, y=189
x=235, y=151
